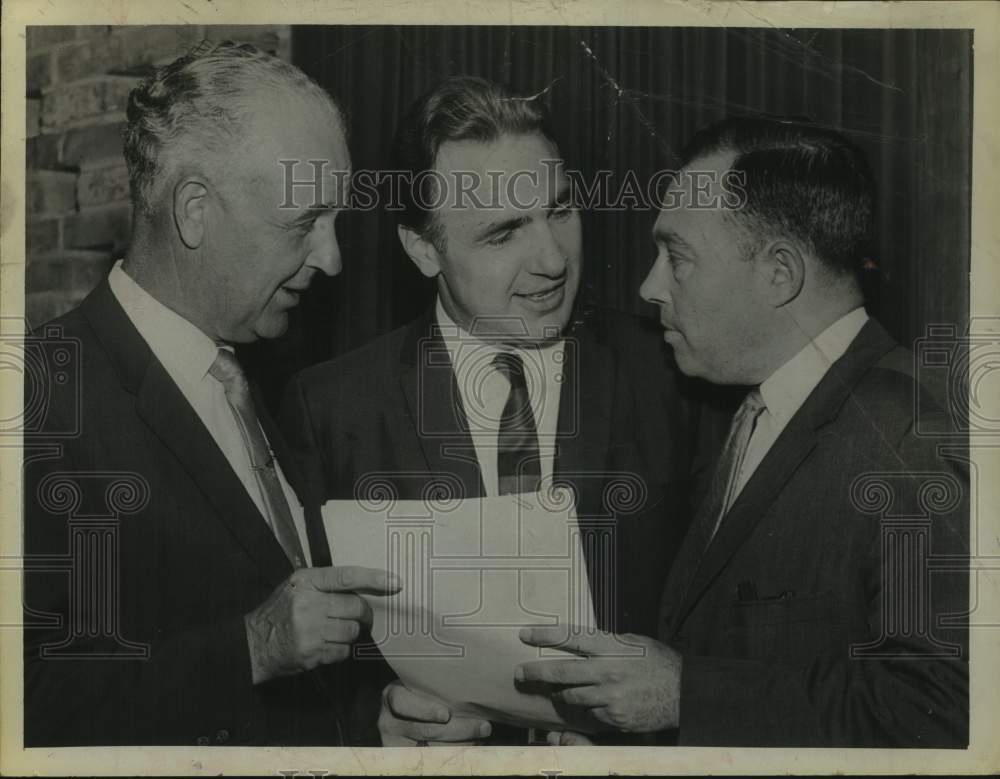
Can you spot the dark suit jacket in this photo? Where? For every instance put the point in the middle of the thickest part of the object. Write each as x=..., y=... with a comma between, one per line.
x=797, y=628
x=390, y=414
x=163, y=658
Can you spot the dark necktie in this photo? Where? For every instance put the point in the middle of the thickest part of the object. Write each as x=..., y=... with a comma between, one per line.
x=226, y=369
x=518, y=464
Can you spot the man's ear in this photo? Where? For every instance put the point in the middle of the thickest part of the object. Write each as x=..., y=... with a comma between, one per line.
x=190, y=196
x=781, y=268
x=423, y=253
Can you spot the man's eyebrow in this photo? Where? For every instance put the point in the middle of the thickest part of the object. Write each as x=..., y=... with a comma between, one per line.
x=669, y=237
x=312, y=212
x=491, y=230
x=564, y=196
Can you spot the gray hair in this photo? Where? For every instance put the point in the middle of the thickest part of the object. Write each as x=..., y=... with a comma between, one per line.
x=200, y=103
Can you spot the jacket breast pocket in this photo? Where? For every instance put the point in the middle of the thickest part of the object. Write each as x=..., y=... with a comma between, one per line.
x=786, y=627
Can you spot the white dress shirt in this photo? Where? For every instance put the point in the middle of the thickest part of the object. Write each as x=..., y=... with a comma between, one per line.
x=187, y=353
x=484, y=392
x=787, y=388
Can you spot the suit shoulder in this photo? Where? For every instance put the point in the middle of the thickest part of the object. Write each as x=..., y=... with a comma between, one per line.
x=892, y=396
x=73, y=324
x=636, y=342
x=893, y=382
x=71, y=341
x=375, y=359
x=620, y=328
x=68, y=372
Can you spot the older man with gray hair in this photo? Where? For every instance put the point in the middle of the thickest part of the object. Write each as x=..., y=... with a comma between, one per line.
x=214, y=608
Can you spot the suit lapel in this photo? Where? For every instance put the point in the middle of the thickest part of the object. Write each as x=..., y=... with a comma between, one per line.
x=428, y=384
x=777, y=468
x=788, y=452
x=583, y=437
x=162, y=406
x=585, y=400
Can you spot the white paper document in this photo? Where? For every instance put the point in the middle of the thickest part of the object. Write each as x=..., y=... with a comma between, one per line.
x=473, y=572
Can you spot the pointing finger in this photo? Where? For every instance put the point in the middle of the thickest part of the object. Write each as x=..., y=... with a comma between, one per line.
x=353, y=578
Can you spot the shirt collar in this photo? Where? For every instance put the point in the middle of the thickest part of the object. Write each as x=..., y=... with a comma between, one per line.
x=462, y=347
x=456, y=337
x=185, y=351
x=787, y=388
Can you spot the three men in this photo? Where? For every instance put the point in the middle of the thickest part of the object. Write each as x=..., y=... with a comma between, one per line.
x=506, y=384
x=801, y=609
x=190, y=614
x=780, y=622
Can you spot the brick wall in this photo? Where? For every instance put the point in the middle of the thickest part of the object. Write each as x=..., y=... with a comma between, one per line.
x=76, y=190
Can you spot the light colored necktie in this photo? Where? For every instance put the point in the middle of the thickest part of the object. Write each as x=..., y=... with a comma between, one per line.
x=714, y=507
x=226, y=369
x=734, y=452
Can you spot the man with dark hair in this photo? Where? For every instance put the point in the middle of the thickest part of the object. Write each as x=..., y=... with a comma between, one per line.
x=800, y=610
x=596, y=405
x=201, y=602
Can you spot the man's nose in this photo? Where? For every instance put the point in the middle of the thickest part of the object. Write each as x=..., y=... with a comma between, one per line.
x=324, y=254
x=654, y=287
x=550, y=258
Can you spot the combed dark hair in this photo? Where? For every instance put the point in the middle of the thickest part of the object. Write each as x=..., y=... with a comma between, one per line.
x=460, y=108
x=200, y=103
x=802, y=181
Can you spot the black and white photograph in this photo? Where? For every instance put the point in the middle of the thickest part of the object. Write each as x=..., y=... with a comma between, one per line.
x=501, y=390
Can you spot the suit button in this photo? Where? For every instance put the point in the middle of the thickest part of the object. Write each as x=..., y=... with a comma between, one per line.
x=204, y=741
x=221, y=736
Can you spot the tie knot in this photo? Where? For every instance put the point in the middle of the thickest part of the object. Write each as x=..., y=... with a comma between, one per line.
x=511, y=367
x=227, y=371
x=752, y=405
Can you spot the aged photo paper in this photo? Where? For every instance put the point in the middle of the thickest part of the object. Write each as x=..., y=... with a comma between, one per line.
x=339, y=442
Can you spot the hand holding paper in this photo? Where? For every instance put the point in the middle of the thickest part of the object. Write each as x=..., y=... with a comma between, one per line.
x=474, y=572
x=630, y=693
x=312, y=619
x=411, y=718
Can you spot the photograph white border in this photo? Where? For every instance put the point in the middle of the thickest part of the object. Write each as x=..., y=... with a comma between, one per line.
x=983, y=754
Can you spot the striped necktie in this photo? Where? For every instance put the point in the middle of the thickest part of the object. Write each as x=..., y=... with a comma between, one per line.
x=518, y=463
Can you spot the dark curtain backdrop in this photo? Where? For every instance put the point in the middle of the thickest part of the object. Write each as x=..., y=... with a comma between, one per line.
x=627, y=99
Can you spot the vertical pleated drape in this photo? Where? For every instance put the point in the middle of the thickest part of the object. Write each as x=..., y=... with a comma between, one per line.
x=626, y=99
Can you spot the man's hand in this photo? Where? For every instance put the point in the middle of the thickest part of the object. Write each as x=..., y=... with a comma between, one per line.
x=637, y=693
x=312, y=619
x=567, y=738
x=411, y=718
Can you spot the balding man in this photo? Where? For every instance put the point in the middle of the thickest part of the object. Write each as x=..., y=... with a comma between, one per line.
x=801, y=609
x=218, y=607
